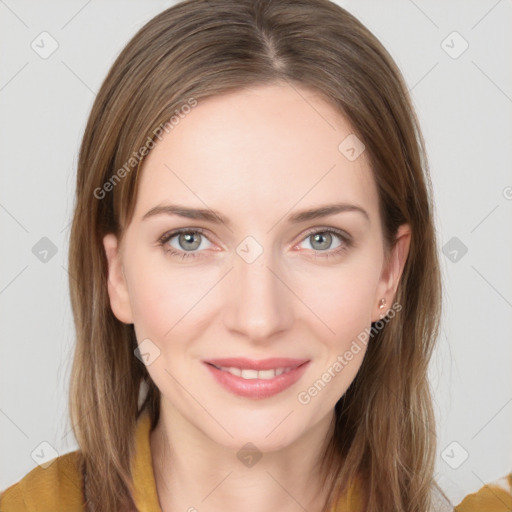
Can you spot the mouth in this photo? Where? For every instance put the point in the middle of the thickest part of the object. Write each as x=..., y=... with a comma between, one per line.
x=254, y=369
x=257, y=379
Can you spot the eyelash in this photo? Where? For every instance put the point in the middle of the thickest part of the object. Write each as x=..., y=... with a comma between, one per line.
x=347, y=242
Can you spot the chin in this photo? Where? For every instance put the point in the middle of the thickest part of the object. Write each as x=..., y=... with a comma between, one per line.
x=267, y=434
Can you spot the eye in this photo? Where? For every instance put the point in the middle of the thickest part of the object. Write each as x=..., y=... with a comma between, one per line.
x=321, y=241
x=187, y=240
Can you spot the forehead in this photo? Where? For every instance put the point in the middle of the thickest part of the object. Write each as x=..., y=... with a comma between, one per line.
x=256, y=151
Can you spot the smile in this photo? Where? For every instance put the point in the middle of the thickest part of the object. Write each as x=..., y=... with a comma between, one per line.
x=257, y=383
x=254, y=374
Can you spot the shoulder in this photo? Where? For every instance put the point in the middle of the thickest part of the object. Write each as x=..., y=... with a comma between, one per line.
x=57, y=486
x=493, y=497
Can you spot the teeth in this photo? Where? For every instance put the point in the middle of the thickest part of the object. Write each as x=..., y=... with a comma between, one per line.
x=255, y=374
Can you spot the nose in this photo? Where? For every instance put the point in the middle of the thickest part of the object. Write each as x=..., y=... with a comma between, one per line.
x=259, y=304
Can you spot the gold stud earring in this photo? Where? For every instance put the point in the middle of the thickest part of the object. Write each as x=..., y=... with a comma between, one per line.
x=382, y=303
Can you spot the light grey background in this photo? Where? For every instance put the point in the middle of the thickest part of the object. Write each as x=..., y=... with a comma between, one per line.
x=465, y=109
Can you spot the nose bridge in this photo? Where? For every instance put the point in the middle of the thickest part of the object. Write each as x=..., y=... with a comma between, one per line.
x=259, y=302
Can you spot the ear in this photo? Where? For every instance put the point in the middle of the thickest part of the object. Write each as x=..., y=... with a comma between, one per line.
x=117, y=288
x=391, y=272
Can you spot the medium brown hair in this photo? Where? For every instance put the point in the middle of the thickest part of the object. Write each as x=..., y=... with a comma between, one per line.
x=385, y=425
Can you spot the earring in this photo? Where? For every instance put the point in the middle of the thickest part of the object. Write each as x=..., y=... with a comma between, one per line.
x=382, y=303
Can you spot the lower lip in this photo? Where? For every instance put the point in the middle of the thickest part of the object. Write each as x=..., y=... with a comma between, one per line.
x=257, y=388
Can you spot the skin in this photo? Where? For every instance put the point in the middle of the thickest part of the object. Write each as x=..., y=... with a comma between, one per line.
x=256, y=156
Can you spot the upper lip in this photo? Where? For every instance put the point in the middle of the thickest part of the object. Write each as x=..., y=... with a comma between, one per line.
x=263, y=364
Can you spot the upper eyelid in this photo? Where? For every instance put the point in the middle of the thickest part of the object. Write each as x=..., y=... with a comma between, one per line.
x=337, y=231
x=169, y=235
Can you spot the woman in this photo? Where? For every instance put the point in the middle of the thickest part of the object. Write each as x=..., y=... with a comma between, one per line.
x=242, y=344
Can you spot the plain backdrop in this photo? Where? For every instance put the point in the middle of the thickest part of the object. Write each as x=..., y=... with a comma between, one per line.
x=456, y=59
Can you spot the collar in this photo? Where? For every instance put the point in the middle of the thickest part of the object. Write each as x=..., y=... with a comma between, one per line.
x=145, y=495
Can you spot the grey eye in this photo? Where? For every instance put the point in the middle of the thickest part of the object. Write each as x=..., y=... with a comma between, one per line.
x=322, y=240
x=188, y=241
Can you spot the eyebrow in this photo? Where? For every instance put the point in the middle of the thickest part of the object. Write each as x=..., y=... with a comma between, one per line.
x=216, y=217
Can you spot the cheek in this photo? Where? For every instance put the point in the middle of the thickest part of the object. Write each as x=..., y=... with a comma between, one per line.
x=343, y=296
x=342, y=299
x=163, y=295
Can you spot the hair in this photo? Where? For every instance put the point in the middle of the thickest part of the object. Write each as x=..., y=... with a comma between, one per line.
x=384, y=430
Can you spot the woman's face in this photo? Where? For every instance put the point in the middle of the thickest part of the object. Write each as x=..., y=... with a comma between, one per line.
x=267, y=281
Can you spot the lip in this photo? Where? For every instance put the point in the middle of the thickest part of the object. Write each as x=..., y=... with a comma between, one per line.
x=263, y=364
x=258, y=389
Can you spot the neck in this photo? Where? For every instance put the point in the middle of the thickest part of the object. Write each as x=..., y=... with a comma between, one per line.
x=194, y=473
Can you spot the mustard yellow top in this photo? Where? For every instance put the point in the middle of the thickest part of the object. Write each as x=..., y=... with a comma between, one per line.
x=493, y=497
x=59, y=486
